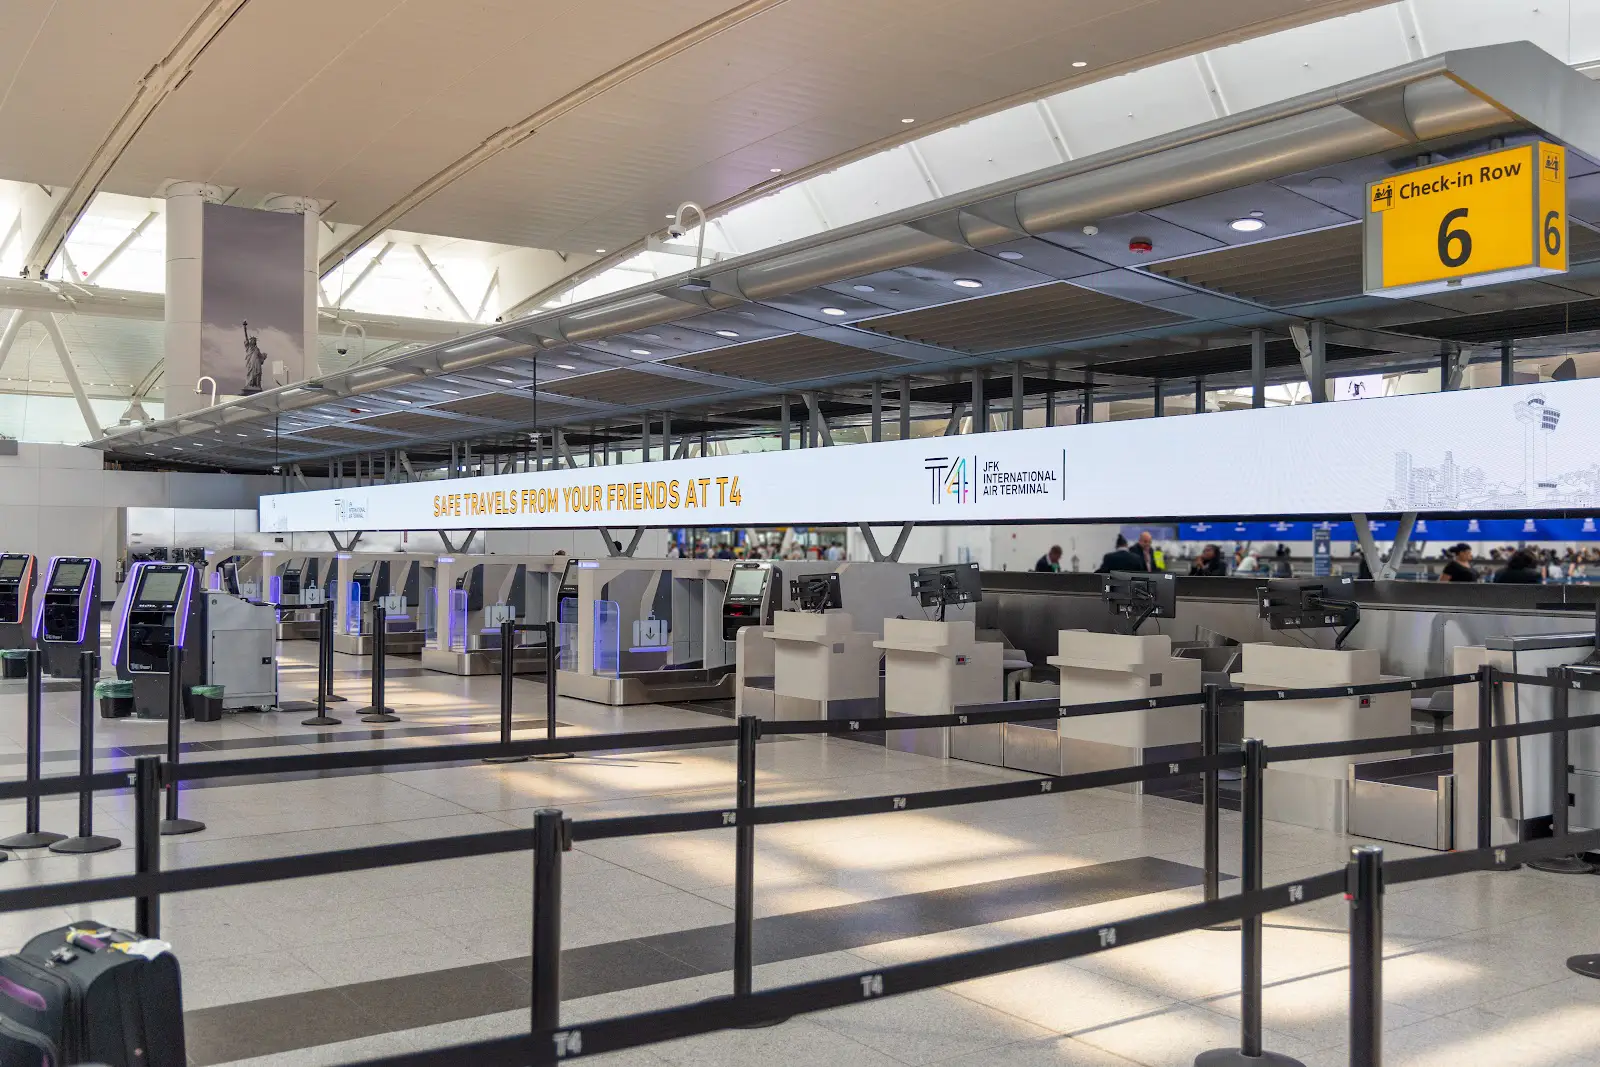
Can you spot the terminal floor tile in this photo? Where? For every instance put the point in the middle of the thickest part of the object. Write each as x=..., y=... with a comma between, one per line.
x=337, y=968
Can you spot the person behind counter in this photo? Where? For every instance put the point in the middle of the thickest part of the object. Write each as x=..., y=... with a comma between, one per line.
x=1050, y=561
x=1520, y=569
x=1209, y=563
x=1458, y=564
x=1145, y=553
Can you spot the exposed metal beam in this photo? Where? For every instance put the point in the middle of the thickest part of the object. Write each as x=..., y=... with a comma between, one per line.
x=461, y=308
x=11, y=234
x=68, y=204
x=53, y=328
x=122, y=246
x=514, y=135
x=1258, y=368
x=8, y=336
x=366, y=272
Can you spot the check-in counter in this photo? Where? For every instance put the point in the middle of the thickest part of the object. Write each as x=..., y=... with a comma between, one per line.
x=1097, y=668
x=753, y=685
x=822, y=666
x=929, y=668
x=1315, y=792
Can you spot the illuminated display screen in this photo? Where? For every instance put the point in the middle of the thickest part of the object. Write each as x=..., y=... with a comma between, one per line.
x=161, y=586
x=69, y=575
x=748, y=581
x=12, y=568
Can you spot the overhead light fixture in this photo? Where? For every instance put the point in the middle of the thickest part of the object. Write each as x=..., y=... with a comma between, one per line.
x=969, y=283
x=505, y=381
x=727, y=333
x=565, y=366
x=1079, y=63
x=908, y=121
x=862, y=288
x=640, y=351
x=599, y=251
x=836, y=312
x=470, y=345
x=777, y=170
x=241, y=435
x=1247, y=225
x=670, y=215
x=1011, y=255
x=400, y=400
x=453, y=392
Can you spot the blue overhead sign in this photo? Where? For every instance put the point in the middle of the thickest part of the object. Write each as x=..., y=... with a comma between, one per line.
x=1426, y=530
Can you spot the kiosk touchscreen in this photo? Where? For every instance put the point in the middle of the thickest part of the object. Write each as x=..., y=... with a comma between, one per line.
x=157, y=618
x=755, y=591
x=69, y=618
x=16, y=599
x=1134, y=596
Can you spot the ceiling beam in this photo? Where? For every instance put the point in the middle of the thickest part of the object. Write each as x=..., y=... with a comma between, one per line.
x=514, y=135
x=67, y=205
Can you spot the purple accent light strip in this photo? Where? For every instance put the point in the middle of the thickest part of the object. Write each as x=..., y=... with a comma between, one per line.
x=131, y=586
x=38, y=609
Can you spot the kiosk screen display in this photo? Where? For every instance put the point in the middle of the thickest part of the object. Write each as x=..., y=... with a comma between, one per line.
x=748, y=582
x=69, y=575
x=161, y=587
x=12, y=568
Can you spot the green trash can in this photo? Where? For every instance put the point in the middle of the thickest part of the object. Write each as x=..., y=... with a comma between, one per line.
x=115, y=697
x=14, y=663
x=205, y=703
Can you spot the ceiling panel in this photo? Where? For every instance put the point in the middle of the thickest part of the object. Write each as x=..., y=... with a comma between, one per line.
x=1043, y=315
x=788, y=359
x=506, y=407
x=1303, y=269
x=627, y=388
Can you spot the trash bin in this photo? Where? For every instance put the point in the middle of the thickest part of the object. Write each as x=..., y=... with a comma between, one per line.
x=14, y=663
x=205, y=703
x=115, y=697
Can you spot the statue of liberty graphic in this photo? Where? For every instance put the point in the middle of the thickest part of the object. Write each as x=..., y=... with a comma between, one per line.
x=254, y=361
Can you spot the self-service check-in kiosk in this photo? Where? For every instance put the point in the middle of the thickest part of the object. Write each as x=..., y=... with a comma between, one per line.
x=68, y=620
x=160, y=614
x=476, y=596
x=17, y=578
x=644, y=631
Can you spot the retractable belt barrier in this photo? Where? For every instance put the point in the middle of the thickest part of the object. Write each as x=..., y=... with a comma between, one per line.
x=547, y=1043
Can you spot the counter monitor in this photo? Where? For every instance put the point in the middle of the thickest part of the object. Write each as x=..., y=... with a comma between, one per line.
x=816, y=592
x=1134, y=596
x=941, y=586
x=1299, y=604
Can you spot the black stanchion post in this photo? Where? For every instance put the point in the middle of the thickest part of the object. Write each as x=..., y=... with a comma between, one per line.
x=378, y=711
x=549, y=841
x=147, y=840
x=1485, y=773
x=32, y=836
x=172, y=825
x=1250, y=1053
x=1365, y=890
x=744, y=863
x=324, y=668
x=1211, y=745
x=508, y=640
x=1560, y=789
x=552, y=652
x=86, y=841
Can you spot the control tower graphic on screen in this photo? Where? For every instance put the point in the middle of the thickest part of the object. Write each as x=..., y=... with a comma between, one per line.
x=1512, y=471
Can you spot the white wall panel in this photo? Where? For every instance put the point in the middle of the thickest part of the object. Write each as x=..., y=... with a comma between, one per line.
x=18, y=486
x=71, y=488
x=869, y=187
x=134, y=489
x=1451, y=24
x=1292, y=62
x=1119, y=111
x=986, y=150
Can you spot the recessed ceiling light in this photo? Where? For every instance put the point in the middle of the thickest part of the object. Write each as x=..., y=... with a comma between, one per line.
x=640, y=351
x=908, y=121
x=777, y=170
x=565, y=366
x=670, y=215
x=651, y=336
x=1258, y=214
x=400, y=400
x=836, y=312
x=1010, y=255
x=241, y=435
x=969, y=283
x=1079, y=63
x=505, y=381
x=862, y=288
x=453, y=392
x=1247, y=225
x=149, y=453
x=599, y=251
x=727, y=333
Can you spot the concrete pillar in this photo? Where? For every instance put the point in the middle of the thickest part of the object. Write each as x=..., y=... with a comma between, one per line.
x=310, y=211
x=185, y=236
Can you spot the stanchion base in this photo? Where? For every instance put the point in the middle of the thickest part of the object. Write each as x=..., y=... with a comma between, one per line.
x=555, y=755
x=175, y=827
x=1232, y=1057
x=1562, y=865
x=321, y=720
x=505, y=759
x=332, y=699
x=371, y=714
x=297, y=705
x=761, y=1025
x=77, y=846
x=1588, y=965
x=37, y=840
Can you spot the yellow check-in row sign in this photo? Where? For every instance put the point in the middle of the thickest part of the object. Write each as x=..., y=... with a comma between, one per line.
x=1498, y=217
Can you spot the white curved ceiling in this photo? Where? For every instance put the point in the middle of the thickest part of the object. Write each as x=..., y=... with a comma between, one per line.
x=360, y=102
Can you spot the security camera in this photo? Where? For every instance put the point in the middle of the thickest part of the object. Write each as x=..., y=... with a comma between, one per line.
x=342, y=350
x=675, y=231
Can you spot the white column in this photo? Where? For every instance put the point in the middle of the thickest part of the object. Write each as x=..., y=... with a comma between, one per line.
x=185, y=242
x=34, y=203
x=311, y=211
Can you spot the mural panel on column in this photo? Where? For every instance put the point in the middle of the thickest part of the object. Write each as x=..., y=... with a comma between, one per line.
x=252, y=297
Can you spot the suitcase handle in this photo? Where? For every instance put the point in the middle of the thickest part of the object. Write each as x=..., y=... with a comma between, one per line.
x=23, y=995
